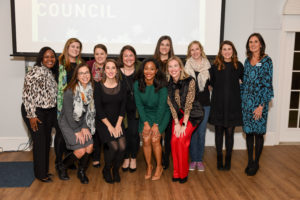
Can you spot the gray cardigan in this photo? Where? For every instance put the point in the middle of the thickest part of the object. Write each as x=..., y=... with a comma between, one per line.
x=66, y=119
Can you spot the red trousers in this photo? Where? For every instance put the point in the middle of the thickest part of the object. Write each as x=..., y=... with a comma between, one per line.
x=180, y=150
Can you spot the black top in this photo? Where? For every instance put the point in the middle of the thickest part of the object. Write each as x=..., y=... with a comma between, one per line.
x=70, y=73
x=110, y=103
x=204, y=96
x=226, y=99
x=130, y=101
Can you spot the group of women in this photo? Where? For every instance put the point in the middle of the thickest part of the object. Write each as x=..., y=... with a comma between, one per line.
x=108, y=103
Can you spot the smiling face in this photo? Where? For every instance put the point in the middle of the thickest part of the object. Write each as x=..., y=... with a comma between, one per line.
x=74, y=50
x=195, y=51
x=110, y=70
x=254, y=44
x=227, y=52
x=174, y=69
x=164, y=47
x=100, y=56
x=128, y=58
x=84, y=75
x=149, y=72
x=49, y=59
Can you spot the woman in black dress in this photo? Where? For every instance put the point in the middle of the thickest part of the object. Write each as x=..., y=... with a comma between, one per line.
x=129, y=66
x=110, y=101
x=226, y=113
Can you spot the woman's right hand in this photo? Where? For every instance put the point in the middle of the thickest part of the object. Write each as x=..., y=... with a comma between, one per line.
x=80, y=137
x=147, y=127
x=34, y=123
x=177, y=128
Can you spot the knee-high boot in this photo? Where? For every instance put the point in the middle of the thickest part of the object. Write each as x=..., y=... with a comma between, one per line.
x=82, y=167
x=68, y=161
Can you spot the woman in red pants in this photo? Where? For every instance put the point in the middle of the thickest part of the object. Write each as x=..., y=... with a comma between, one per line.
x=187, y=113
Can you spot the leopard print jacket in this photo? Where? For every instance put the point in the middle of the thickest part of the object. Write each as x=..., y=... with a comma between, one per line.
x=39, y=91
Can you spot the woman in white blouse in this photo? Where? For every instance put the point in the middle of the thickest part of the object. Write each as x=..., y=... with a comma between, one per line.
x=38, y=109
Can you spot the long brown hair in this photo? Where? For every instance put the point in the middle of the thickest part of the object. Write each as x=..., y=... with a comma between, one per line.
x=203, y=55
x=219, y=61
x=130, y=48
x=117, y=77
x=74, y=80
x=157, y=52
x=64, y=57
x=262, y=43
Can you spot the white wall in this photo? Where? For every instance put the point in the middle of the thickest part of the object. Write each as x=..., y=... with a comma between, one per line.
x=243, y=17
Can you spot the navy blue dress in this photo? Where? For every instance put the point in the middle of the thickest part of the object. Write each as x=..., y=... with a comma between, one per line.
x=257, y=90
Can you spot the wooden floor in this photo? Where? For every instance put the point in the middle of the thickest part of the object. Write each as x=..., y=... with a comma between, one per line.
x=278, y=178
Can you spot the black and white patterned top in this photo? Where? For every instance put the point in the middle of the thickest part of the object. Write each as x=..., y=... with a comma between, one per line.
x=40, y=90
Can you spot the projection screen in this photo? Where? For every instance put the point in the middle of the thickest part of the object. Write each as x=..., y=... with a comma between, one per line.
x=115, y=23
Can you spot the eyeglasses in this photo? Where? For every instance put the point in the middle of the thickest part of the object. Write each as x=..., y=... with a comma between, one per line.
x=83, y=73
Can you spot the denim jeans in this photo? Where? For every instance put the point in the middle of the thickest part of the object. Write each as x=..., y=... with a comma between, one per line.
x=198, y=138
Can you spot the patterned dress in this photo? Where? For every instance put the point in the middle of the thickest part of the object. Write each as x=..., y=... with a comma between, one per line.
x=257, y=90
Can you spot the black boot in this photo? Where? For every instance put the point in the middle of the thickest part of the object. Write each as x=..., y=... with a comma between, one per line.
x=250, y=164
x=61, y=171
x=220, y=162
x=253, y=169
x=227, y=162
x=69, y=160
x=116, y=175
x=107, y=174
x=82, y=167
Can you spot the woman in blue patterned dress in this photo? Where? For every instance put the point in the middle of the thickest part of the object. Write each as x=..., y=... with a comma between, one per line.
x=256, y=94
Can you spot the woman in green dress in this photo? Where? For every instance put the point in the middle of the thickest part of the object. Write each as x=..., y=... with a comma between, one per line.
x=151, y=94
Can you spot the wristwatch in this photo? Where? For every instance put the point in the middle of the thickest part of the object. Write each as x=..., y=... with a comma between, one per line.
x=183, y=124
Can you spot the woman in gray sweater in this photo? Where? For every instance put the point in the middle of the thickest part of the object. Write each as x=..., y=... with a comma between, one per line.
x=77, y=120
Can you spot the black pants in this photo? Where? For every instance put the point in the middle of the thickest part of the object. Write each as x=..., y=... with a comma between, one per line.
x=132, y=138
x=41, y=139
x=59, y=144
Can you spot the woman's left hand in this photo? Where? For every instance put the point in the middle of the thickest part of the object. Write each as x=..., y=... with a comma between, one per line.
x=86, y=134
x=154, y=129
x=257, y=113
x=182, y=131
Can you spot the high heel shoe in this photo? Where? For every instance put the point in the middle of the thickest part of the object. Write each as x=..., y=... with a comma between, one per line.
x=125, y=165
x=132, y=166
x=157, y=174
x=149, y=172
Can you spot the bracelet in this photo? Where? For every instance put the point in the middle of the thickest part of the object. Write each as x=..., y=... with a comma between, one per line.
x=183, y=124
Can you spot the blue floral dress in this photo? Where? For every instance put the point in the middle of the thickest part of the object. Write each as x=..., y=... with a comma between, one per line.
x=256, y=90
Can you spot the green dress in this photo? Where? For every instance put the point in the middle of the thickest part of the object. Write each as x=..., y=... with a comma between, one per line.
x=152, y=106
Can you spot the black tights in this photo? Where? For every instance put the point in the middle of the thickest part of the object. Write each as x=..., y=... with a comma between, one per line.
x=59, y=144
x=259, y=144
x=229, y=131
x=114, y=153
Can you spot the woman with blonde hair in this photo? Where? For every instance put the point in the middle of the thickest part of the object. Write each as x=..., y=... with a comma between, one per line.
x=187, y=113
x=197, y=66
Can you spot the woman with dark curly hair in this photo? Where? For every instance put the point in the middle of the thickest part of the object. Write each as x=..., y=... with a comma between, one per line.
x=150, y=94
x=256, y=94
x=38, y=109
x=226, y=112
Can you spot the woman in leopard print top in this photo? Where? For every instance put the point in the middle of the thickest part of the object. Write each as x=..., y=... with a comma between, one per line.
x=38, y=109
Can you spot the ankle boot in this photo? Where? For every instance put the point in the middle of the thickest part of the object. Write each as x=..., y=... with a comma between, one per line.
x=69, y=160
x=250, y=164
x=116, y=175
x=107, y=174
x=220, y=162
x=253, y=169
x=227, y=162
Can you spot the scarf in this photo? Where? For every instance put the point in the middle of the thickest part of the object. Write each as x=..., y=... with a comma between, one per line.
x=84, y=96
x=97, y=72
x=62, y=83
x=192, y=66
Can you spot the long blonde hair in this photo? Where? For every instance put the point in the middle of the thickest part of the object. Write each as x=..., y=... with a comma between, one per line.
x=183, y=74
